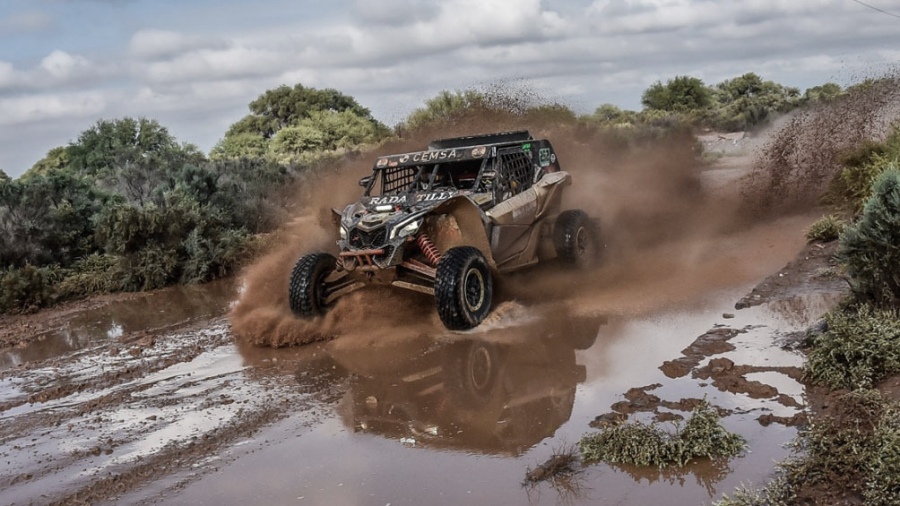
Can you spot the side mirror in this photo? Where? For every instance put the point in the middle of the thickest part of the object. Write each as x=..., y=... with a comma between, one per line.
x=365, y=182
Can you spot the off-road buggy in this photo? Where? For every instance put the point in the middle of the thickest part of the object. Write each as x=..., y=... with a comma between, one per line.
x=445, y=221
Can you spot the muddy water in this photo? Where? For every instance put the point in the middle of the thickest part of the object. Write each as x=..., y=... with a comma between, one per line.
x=153, y=401
x=460, y=422
x=143, y=314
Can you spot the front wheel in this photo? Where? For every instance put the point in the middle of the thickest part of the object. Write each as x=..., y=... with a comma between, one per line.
x=307, y=293
x=463, y=288
x=575, y=237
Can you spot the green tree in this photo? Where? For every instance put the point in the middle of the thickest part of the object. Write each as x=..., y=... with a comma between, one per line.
x=240, y=145
x=446, y=107
x=824, y=93
x=612, y=114
x=46, y=218
x=131, y=157
x=311, y=119
x=747, y=101
x=249, y=189
x=55, y=159
x=870, y=247
x=284, y=106
x=682, y=94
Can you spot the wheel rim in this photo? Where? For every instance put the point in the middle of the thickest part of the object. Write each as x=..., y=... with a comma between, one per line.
x=473, y=287
x=480, y=368
x=581, y=242
x=321, y=290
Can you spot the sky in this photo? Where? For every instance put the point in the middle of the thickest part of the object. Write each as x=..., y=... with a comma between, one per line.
x=195, y=65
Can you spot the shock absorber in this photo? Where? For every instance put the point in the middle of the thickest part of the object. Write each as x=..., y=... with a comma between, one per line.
x=428, y=248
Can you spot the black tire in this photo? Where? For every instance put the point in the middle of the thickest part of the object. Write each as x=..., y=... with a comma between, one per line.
x=471, y=373
x=575, y=237
x=307, y=291
x=463, y=288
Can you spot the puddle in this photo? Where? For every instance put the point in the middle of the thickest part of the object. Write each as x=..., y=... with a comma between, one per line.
x=459, y=420
x=146, y=313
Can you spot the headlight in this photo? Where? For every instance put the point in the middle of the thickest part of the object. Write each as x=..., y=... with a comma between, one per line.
x=406, y=230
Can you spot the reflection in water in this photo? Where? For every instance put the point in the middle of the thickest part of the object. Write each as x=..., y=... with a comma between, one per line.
x=707, y=473
x=135, y=316
x=494, y=392
x=803, y=310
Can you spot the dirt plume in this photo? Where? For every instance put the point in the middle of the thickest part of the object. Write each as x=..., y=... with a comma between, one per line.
x=644, y=187
x=803, y=156
x=641, y=196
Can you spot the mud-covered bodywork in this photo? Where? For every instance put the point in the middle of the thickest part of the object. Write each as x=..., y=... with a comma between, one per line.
x=510, y=186
x=484, y=205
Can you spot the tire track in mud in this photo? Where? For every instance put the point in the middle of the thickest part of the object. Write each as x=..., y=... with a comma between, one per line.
x=102, y=422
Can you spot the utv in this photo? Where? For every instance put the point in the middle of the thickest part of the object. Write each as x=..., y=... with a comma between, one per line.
x=445, y=221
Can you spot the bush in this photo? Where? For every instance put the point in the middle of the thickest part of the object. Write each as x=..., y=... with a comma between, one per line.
x=870, y=247
x=92, y=275
x=213, y=255
x=151, y=268
x=777, y=493
x=883, y=484
x=860, y=347
x=827, y=229
x=855, y=452
x=631, y=443
x=648, y=445
x=853, y=186
x=27, y=288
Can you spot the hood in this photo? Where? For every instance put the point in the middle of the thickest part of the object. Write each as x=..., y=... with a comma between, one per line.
x=373, y=212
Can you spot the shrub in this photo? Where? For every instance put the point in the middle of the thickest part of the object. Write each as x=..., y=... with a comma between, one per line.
x=860, y=347
x=827, y=229
x=91, y=275
x=855, y=451
x=870, y=247
x=213, y=255
x=27, y=288
x=883, y=484
x=778, y=492
x=648, y=445
x=853, y=186
x=152, y=267
x=631, y=443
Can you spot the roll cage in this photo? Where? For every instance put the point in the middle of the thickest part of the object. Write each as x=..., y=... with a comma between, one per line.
x=509, y=166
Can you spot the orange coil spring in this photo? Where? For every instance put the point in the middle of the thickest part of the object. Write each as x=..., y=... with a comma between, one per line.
x=428, y=248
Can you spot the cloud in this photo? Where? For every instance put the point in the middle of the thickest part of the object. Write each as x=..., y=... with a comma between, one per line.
x=210, y=65
x=62, y=65
x=24, y=22
x=393, y=13
x=51, y=106
x=162, y=44
x=7, y=74
x=57, y=70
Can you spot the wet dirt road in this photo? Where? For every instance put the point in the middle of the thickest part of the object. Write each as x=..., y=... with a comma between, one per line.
x=152, y=400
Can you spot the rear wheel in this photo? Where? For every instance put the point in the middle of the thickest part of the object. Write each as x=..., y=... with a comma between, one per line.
x=575, y=237
x=463, y=288
x=307, y=293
